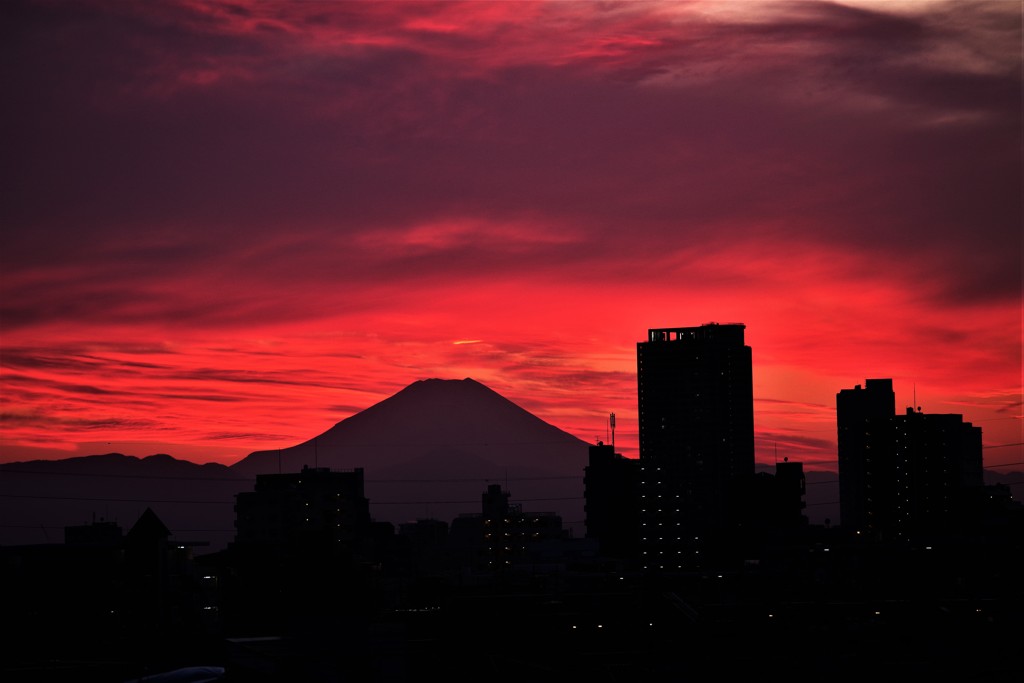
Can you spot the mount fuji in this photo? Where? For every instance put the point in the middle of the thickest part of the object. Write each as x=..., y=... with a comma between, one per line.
x=430, y=451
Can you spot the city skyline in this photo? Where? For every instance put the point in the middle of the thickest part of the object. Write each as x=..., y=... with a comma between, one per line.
x=262, y=219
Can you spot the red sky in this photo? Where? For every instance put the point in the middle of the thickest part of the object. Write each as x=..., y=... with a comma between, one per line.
x=228, y=226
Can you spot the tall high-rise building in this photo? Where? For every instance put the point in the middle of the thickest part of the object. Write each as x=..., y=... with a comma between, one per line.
x=908, y=476
x=696, y=419
x=863, y=416
x=938, y=478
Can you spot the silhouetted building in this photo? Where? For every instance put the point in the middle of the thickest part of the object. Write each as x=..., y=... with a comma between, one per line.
x=696, y=415
x=98, y=534
x=147, y=559
x=502, y=535
x=863, y=416
x=773, y=516
x=903, y=476
x=784, y=508
x=104, y=605
x=792, y=486
x=165, y=596
x=938, y=474
x=305, y=547
x=424, y=542
x=303, y=509
x=611, y=486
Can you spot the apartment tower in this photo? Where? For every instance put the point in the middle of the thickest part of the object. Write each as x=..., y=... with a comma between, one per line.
x=904, y=477
x=696, y=420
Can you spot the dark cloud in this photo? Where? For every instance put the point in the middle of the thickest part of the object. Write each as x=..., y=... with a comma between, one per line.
x=174, y=171
x=246, y=436
x=15, y=379
x=44, y=420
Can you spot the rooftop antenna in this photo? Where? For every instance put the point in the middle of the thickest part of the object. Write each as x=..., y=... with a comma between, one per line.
x=611, y=423
x=776, y=452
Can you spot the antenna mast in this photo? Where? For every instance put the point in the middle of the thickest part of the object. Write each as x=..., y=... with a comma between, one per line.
x=611, y=423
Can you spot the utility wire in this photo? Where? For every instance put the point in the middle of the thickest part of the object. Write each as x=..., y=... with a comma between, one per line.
x=496, y=477
x=231, y=502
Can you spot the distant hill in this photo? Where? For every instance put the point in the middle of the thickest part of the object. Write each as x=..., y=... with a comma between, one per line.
x=38, y=498
x=431, y=449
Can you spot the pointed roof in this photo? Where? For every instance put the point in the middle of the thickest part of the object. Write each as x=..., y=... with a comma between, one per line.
x=148, y=526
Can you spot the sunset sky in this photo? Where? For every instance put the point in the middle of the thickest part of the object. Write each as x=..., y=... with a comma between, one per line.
x=228, y=226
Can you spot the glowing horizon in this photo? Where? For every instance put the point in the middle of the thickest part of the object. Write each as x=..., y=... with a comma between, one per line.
x=264, y=218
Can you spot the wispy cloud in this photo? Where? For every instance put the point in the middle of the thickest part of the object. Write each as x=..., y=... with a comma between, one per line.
x=284, y=207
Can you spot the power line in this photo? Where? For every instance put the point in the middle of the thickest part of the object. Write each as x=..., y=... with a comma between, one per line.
x=113, y=475
x=475, y=501
x=467, y=481
x=466, y=502
x=64, y=526
x=448, y=480
x=119, y=500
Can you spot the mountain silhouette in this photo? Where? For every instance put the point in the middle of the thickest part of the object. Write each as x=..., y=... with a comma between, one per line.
x=430, y=450
x=39, y=498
